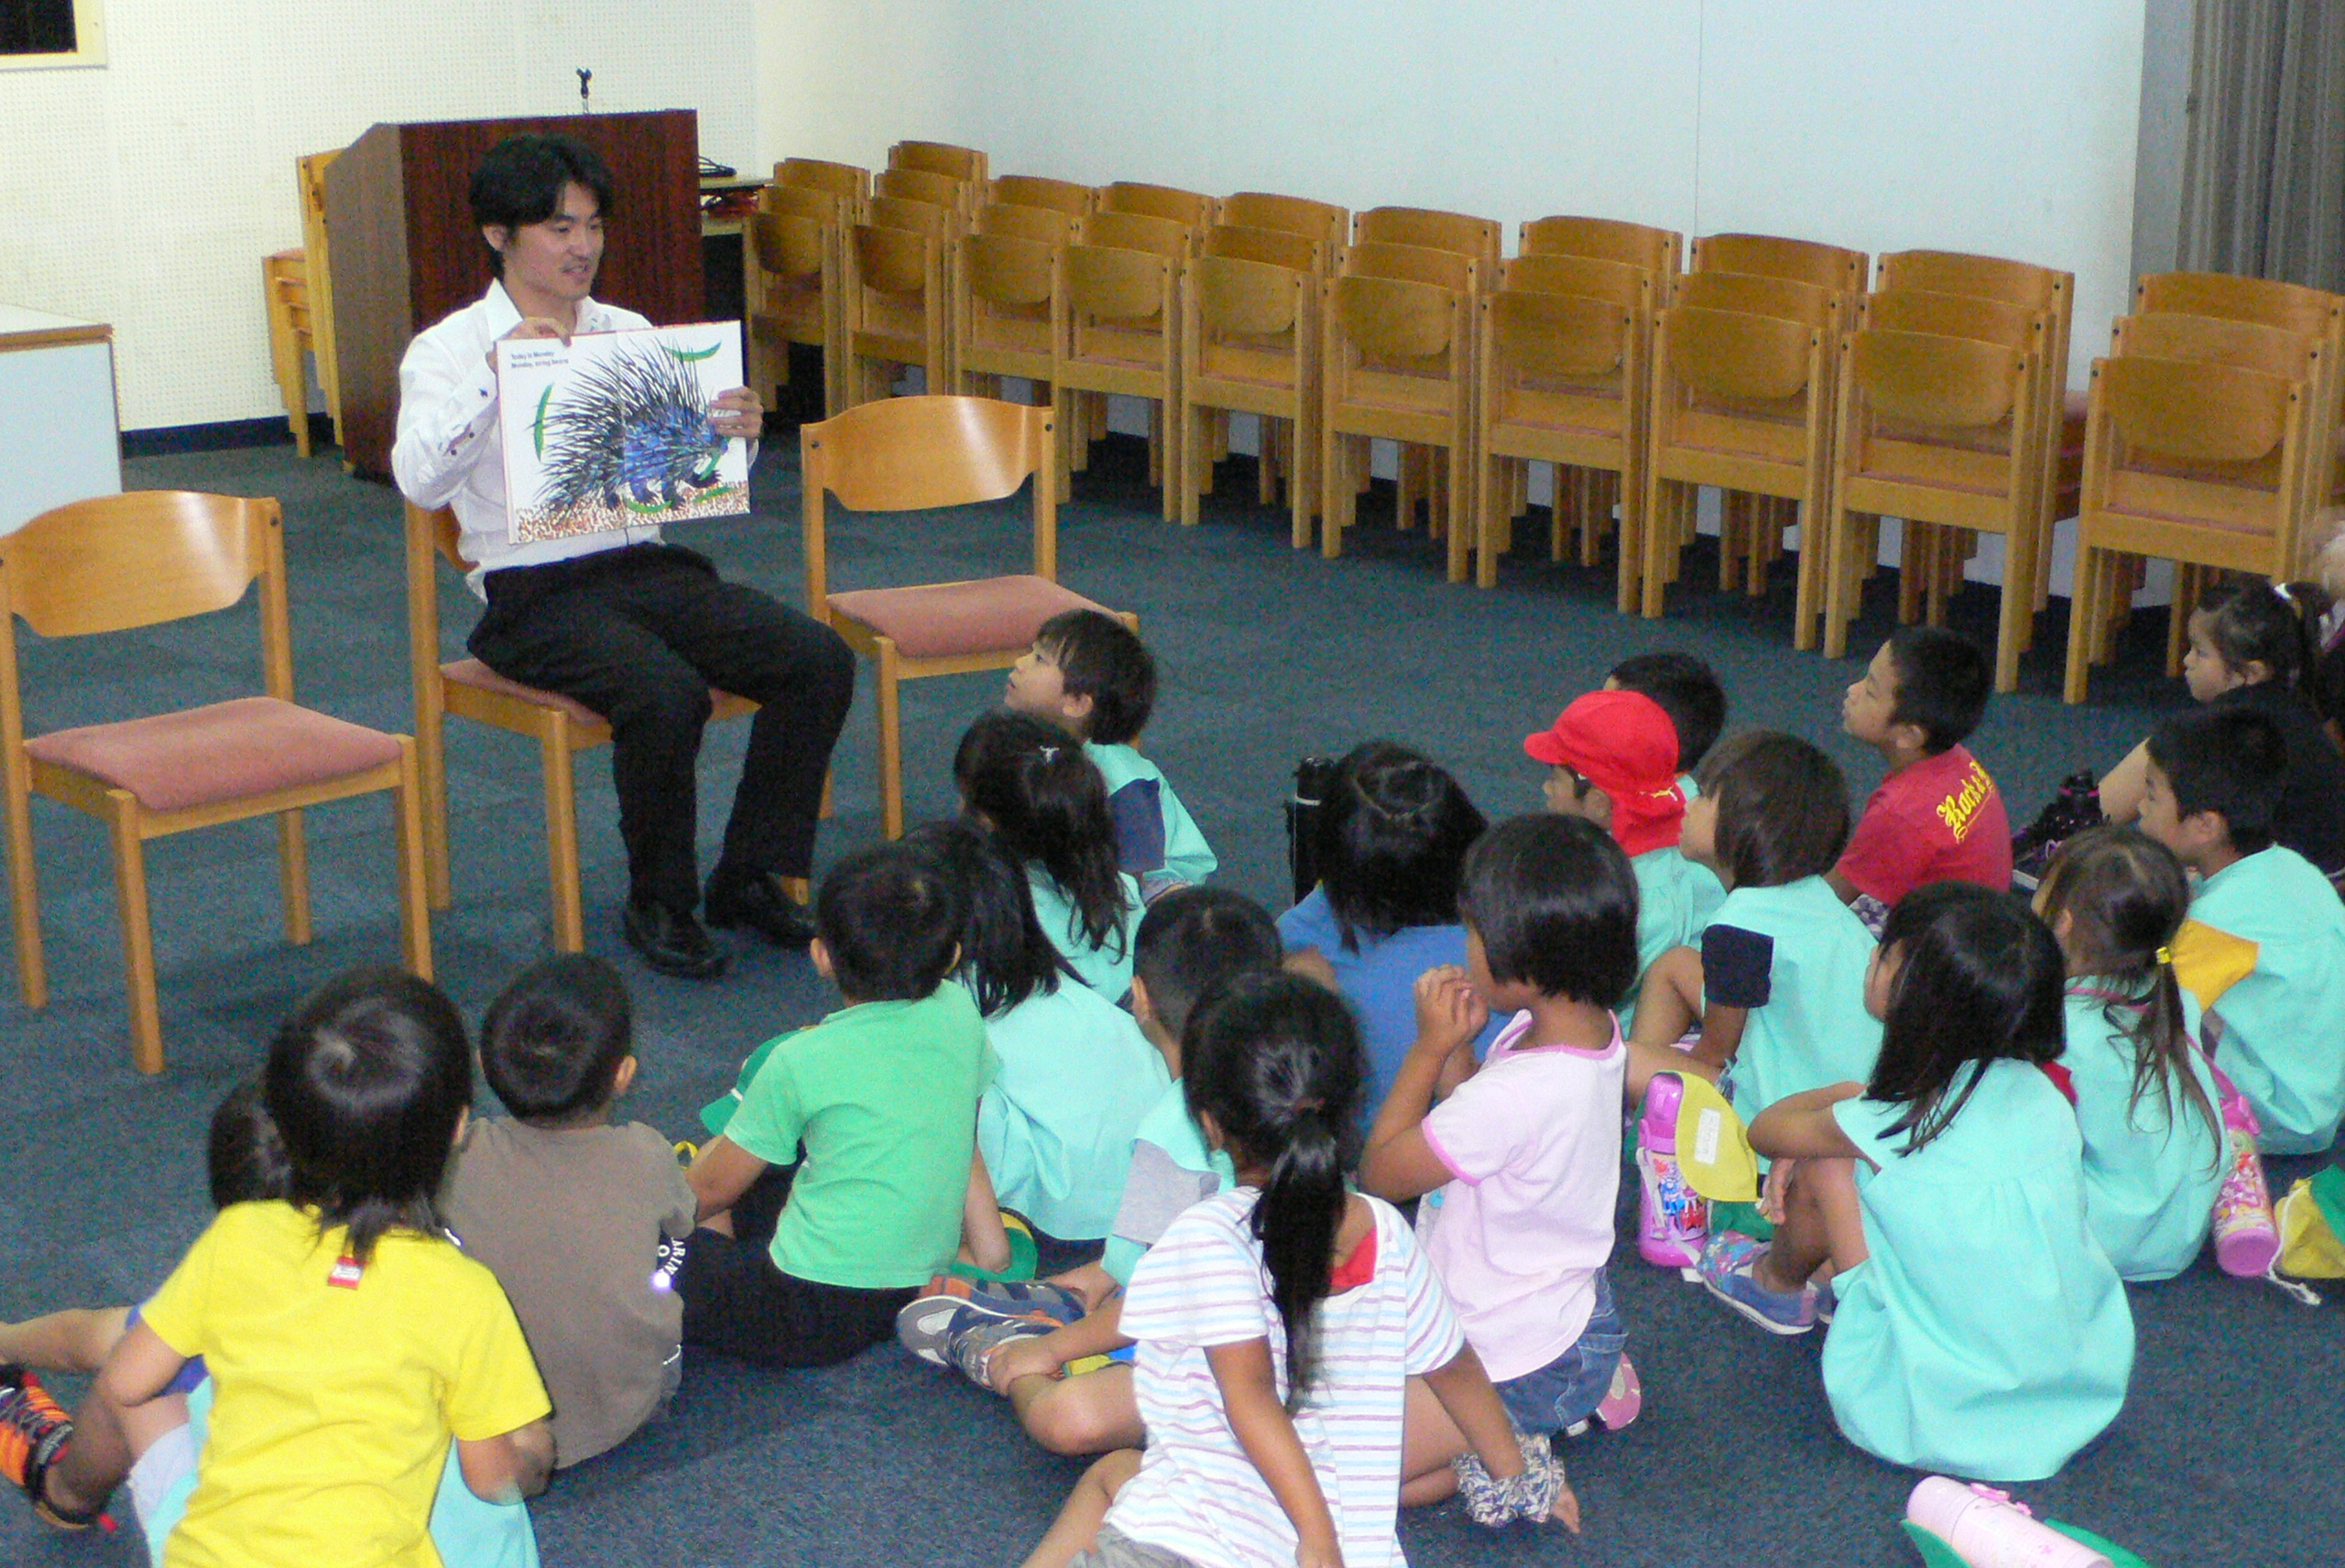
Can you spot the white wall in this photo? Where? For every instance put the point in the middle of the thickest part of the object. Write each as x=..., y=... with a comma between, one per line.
x=2006, y=127
x=145, y=192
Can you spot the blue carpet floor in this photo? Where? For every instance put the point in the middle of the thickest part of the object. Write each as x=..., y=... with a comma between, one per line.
x=2228, y=1447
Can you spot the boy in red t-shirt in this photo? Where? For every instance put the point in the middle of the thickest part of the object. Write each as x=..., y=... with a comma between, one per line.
x=1937, y=817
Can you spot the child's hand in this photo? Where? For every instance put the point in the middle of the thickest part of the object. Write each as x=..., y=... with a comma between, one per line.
x=1770, y=1198
x=1449, y=1014
x=1029, y=1357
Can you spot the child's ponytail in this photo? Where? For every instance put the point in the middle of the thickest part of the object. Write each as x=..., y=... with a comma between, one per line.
x=1274, y=1062
x=1031, y=784
x=2277, y=625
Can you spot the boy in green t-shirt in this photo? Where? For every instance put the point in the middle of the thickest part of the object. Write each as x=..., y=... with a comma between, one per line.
x=1020, y=1340
x=1090, y=674
x=805, y=1265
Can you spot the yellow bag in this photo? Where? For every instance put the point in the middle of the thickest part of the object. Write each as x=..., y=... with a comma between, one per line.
x=2309, y=1246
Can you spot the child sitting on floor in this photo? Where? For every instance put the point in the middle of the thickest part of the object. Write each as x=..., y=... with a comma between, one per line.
x=1610, y=758
x=1090, y=674
x=1937, y=816
x=1074, y=1075
x=803, y=1259
x=1019, y=1340
x=2153, y=1142
x=1519, y=1164
x=1979, y=1328
x=168, y=1432
x=575, y=1215
x=347, y=1340
x=1391, y=836
x=1688, y=692
x=1028, y=784
x=2275, y=1019
x=1278, y=1324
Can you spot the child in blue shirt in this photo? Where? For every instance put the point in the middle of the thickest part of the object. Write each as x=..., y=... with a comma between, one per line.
x=1090, y=674
x=2212, y=793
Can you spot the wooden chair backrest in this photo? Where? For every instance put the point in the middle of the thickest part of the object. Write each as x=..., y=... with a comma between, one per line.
x=1833, y=269
x=1038, y=190
x=1238, y=298
x=1752, y=294
x=1656, y=251
x=1321, y=220
x=1115, y=283
x=1588, y=276
x=1395, y=318
x=1478, y=237
x=1952, y=316
x=914, y=217
x=922, y=185
x=1274, y=247
x=806, y=201
x=116, y=562
x=1010, y=221
x=1975, y=277
x=940, y=158
x=1000, y=270
x=893, y=261
x=1566, y=335
x=1737, y=356
x=1151, y=233
x=1192, y=208
x=1916, y=378
x=2292, y=307
x=2218, y=340
x=787, y=246
x=846, y=182
x=2194, y=413
x=1450, y=269
x=316, y=262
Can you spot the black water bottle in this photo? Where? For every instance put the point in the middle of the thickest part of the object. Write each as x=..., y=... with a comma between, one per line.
x=1312, y=776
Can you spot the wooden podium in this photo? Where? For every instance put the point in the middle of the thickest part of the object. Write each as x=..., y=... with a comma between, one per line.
x=406, y=252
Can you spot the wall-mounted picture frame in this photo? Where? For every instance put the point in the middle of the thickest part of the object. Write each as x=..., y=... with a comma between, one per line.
x=44, y=35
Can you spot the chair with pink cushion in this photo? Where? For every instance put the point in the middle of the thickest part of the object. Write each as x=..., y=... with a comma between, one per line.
x=562, y=726
x=915, y=454
x=119, y=562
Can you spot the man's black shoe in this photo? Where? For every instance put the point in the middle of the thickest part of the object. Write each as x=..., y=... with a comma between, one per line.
x=670, y=941
x=759, y=900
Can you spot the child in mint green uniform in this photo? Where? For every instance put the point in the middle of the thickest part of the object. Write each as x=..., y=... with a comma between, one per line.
x=1027, y=783
x=2146, y=1096
x=1090, y=674
x=2274, y=991
x=1980, y=1329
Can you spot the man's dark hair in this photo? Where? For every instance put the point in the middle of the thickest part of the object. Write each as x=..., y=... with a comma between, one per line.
x=519, y=181
x=1686, y=690
x=1554, y=903
x=891, y=919
x=1943, y=683
x=1193, y=938
x=2231, y=761
x=1782, y=809
x=1102, y=658
x=552, y=1044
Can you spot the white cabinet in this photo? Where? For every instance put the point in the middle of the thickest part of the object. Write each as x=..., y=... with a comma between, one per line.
x=57, y=436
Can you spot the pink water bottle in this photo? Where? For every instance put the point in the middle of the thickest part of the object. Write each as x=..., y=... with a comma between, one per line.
x=2247, y=1239
x=1673, y=1220
x=1986, y=1530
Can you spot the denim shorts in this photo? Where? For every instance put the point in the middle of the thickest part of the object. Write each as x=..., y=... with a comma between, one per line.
x=1567, y=1391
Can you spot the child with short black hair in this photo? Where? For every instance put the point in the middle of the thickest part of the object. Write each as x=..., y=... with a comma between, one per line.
x=806, y=1265
x=1024, y=781
x=2273, y=978
x=1937, y=816
x=1091, y=675
x=1518, y=1159
x=347, y=1339
x=581, y=1221
x=1688, y=692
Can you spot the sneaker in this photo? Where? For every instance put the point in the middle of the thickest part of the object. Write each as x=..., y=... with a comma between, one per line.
x=1618, y=1407
x=1010, y=1298
x=936, y=1329
x=34, y=1429
x=973, y=1346
x=1727, y=1274
x=2075, y=808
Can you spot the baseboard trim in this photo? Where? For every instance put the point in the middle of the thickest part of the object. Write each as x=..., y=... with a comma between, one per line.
x=224, y=435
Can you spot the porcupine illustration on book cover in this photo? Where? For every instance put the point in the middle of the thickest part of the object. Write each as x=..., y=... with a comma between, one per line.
x=612, y=429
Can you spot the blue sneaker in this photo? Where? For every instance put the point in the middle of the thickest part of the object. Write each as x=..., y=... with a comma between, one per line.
x=1011, y=1298
x=950, y=1330
x=1728, y=1267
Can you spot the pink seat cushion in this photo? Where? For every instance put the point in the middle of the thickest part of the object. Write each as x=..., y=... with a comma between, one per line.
x=945, y=620
x=227, y=751
x=472, y=672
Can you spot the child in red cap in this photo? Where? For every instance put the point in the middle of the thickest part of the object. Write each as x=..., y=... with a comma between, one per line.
x=1611, y=757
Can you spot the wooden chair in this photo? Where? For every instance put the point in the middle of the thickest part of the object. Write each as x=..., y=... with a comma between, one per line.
x=1395, y=364
x=849, y=183
x=957, y=197
x=317, y=257
x=1836, y=269
x=467, y=688
x=1660, y=251
x=1738, y=401
x=791, y=288
x=1119, y=332
x=1036, y=191
x=1045, y=225
x=1477, y=237
x=1323, y=221
x=1566, y=385
x=911, y=454
x=1247, y=344
x=2290, y=307
x=1417, y=476
x=1193, y=208
x=1005, y=294
x=896, y=310
x=1273, y=247
x=292, y=336
x=2173, y=450
x=1941, y=431
x=940, y=158
x=119, y=562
